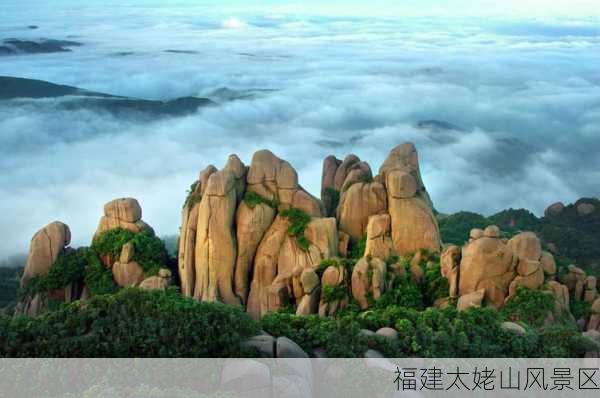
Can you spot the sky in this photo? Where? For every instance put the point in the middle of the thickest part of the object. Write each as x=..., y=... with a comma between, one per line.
x=520, y=81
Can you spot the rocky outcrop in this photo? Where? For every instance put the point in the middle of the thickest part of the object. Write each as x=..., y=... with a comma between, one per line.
x=216, y=249
x=486, y=264
x=45, y=247
x=359, y=202
x=123, y=213
x=368, y=279
x=334, y=277
x=414, y=226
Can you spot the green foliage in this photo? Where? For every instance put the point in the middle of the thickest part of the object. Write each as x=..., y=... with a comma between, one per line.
x=435, y=285
x=357, y=249
x=9, y=285
x=455, y=228
x=69, y=267
x=405, y=293
x=529, y=306
x=98, y=278
x=252, y=199
x=111, y=242
x=150, y=252
x=563, y=341
x=340, y=338
x=192, y=197
x=299, y=220
x=334, y=293
x=580, y=309
x=512, y=221
x=130, y=323
x=332, y=205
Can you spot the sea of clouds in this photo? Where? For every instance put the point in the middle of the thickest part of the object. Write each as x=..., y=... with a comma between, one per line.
x=525, y=93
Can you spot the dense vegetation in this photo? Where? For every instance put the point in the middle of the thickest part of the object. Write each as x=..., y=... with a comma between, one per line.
x=150, y=252
x=432, y=332
x=252, y=199
x=299, y=219
x=576, y=236
x=130, y=323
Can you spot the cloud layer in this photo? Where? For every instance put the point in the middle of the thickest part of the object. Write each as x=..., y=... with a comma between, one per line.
x=525, y=94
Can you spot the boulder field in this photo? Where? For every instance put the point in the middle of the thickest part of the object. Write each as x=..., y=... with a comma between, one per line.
x=252, y=236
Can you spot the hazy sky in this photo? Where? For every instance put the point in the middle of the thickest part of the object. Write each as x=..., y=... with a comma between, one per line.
x=523, y=86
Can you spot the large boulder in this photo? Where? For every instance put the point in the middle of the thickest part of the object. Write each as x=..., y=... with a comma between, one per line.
x=127, y=274
x=450, y=267
x=329, y=195
x=275, y=179
x=405, y=159
x=251, y=226
x=487, y=264
x=335, y=276
x=554, y=209
x=216, y=249
x=186, y=259
x=379, y=242
x=359, y=202
x=45, y=247
x=123, y=213
x=414, y=226
x=526, y=246
x=368, y=279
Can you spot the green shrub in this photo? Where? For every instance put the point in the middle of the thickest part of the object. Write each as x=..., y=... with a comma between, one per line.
x=299, y=220
x=405, y=293
x=529, y=306
x=130, y=323
x=435, y=285
x=111, y=242
x=334, y=293
x=357, y=249
x=192, y=197
x=150, y=251
x=340, y=338
x=69, y=267
x=98, y=278
x=252, y=199
x=563, y=341
x=580, y=309
x=455, y=228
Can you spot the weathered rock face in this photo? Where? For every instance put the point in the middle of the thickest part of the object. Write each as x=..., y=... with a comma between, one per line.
x=379, y=242
x=216, y=249
x=279, y=256
x=187, y=237
x=359, y=202
x=414, y=225
x=275, y=179
x=368, y=276
x=487, y=264
x=252, y=224
x=450, y=268
x=329, y=195
x=554, y=209
x=123, y=213
x=333, y=277
x=45, y=247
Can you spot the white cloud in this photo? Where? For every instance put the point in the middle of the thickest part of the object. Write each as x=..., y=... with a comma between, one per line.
x=234, y=23
x=528, y=99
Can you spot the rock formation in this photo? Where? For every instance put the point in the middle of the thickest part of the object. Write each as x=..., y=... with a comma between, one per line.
x=45, y=247
x=250, y=235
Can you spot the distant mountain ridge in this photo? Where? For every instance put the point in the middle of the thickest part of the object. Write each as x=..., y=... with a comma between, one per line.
x=76, y=98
